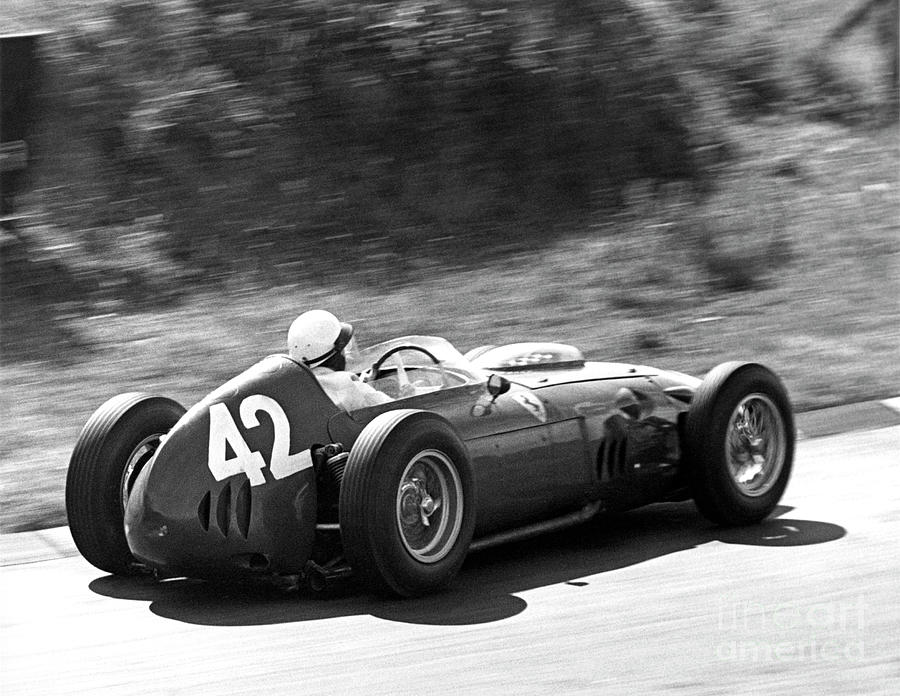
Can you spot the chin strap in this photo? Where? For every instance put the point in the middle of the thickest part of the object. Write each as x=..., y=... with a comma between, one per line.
x=344, y=336
x=315, y=362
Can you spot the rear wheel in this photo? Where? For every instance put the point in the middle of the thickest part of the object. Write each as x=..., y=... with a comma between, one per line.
x=739, y=443
x=114, y=446
x=407, y=508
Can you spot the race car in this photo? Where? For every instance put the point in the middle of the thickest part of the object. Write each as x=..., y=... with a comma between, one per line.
x=267, y=478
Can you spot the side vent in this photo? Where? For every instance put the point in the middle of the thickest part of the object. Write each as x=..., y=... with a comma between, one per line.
x=242, y=508
x=223, y=510
x=620, y=456
x=612, y=457
x=203, y=511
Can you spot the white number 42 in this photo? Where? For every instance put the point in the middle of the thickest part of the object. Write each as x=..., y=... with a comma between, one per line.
x=223, y=431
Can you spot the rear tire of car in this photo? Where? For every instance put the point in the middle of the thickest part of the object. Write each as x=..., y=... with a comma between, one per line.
x=739, y=443
x=407, y=503
x=115, y=444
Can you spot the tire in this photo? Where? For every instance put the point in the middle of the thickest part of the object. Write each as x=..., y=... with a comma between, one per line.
x=116, y=442
x=406, y=469
x=739, y=443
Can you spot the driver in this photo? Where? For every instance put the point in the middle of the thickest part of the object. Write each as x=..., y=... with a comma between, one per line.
x=317, y=339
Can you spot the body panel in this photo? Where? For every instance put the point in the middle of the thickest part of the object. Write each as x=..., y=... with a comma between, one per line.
x=222, y=497
x=515, y=449
x=181, y=519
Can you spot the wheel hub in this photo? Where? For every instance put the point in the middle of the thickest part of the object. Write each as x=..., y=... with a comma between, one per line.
x=756, y=445
x=429, y=511
x=416, y=504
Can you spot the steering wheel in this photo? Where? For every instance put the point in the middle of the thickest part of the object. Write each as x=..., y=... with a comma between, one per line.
x=402, y=378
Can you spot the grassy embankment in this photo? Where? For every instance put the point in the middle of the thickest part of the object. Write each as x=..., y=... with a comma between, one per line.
x=794, y=260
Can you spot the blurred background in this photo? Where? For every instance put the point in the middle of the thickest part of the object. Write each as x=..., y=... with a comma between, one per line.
x=673, y=182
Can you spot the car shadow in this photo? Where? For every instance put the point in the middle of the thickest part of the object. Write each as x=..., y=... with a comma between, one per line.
x=486, y=589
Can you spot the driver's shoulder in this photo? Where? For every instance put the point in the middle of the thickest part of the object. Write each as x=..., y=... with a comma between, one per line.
x=325, y=374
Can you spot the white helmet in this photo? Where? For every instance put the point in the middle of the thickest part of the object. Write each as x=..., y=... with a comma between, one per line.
x=317, y=335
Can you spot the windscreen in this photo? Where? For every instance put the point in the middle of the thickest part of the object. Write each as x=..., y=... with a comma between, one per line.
x=450, y=358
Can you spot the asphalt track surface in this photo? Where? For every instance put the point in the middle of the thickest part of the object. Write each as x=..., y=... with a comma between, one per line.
x=655, y=601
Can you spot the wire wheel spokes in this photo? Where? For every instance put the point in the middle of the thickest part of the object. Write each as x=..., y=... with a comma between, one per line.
x=756, y=444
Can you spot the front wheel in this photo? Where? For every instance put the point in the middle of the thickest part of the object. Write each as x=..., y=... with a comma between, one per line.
x=407, y=509
x=739, y=443
x=115, y=444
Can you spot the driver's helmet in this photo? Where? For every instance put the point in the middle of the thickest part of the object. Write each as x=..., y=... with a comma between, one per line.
x=317, y=335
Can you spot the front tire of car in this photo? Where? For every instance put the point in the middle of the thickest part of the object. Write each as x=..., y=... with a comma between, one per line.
x=739, y=443
x=115, y=444
x=407, y=508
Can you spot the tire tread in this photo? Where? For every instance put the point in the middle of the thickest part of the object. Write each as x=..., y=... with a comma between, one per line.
x=706, y=418
x=96, y=525
x=361, y=512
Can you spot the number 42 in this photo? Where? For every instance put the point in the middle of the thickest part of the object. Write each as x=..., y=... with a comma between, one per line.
x=223, y=431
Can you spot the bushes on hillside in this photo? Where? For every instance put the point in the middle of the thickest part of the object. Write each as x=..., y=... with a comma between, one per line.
x=320, y=119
